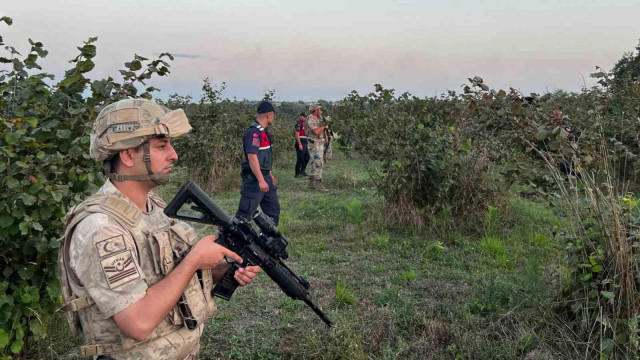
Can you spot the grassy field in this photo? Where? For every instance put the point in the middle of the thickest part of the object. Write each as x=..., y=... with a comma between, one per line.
x=393, y=293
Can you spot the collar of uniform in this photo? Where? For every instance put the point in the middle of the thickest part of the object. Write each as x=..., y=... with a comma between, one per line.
x=109, y=189
x=257, y=125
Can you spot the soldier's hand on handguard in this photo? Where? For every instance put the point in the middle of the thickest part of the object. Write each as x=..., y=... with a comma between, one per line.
x=244, y=276
x=264, y=187
x=207, y=254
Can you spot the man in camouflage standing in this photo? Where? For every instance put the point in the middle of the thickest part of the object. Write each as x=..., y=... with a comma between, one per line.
x=315, y=132
x=135, y=282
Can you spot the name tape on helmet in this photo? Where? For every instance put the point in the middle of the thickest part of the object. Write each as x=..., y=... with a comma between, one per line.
x=123, y=128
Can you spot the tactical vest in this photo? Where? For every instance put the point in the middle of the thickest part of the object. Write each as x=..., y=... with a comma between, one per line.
x=301, y=132
x=159, y=246
x=265, y=158
x=311, y=134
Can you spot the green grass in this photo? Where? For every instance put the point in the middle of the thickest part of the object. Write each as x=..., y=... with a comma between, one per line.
x=392, y=294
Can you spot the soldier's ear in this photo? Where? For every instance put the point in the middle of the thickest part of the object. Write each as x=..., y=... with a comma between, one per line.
x=127, y=157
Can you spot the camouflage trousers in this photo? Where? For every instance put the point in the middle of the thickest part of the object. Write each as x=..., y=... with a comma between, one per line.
x=316, y=152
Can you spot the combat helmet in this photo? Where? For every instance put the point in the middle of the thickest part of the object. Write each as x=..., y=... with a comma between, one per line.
x=130, y=123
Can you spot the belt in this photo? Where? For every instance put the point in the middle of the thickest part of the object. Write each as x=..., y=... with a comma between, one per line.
x=246, y=171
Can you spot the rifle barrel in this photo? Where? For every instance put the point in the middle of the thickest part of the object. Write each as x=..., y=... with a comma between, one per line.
x=318, y=312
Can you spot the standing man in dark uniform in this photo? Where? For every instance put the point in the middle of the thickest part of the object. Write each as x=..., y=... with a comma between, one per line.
x=302, y=150
x=258, y=182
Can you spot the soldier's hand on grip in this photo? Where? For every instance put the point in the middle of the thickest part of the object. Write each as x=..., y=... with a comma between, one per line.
x=208, y=254
x=244, y=276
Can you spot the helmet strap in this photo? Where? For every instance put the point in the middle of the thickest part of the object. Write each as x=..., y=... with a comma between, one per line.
x=159, y=179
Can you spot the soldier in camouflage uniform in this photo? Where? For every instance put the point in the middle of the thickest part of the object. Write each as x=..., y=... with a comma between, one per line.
x=315, y=133
x=136, y=282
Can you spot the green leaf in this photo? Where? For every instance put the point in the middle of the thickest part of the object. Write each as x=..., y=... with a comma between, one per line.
x=36, y=327
x=45, y=213
x=85, y=66
x=26, y=273
x=466, y=145
x=12, y=183
x=76, y=111
x=7, y=271
x=24, y=228
x=68, y=81
x=16, y=346
x=40, y=155
x=51, y=124
x=42, y=247
x=607, y=294
x=37, y=226
x=606, y=346
x=89, y=51
x=63, y=133
x=4, y=339
x=541, y=133
x=17, y=212
x=597, y=268
x=33, y=122
x=6, y=221
x=134, y=65
x=28, y=199
x=26, y=298
x=12, y=138
x=57, y=196
x=587, y=276
x=7, y=20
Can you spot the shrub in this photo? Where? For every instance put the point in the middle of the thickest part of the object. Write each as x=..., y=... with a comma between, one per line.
x=428, y=159
x=44, y=169
x=213, y=149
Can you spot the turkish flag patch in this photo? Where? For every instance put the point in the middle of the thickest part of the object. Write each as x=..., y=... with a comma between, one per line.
x=111, y=245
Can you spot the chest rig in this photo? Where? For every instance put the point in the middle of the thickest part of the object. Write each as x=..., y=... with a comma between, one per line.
x=265, y=158
x=312, y=119
x=300, y=129
x=161, y=243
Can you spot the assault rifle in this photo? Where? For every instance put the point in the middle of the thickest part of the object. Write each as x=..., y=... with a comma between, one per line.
x=266, y=248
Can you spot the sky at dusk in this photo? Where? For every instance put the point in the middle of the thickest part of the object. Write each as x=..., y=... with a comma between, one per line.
x=323, y=50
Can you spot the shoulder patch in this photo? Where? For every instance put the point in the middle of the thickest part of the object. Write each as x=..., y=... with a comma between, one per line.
x=112, y=245
x=124, y=210
x=255, y=135
x=119, y=268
